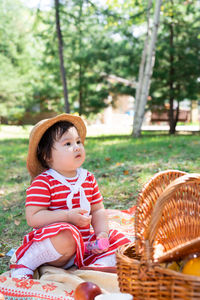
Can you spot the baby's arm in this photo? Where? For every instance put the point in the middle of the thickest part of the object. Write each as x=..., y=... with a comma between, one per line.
x=99, y=220
x=40, y=216
x=100, y=224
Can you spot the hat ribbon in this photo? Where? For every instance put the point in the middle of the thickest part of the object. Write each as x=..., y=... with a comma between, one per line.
x=74, y=189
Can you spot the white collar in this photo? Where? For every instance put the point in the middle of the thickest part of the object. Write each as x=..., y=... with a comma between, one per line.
x=74, y=189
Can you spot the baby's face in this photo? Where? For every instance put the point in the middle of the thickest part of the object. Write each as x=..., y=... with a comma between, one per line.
x=68, y=153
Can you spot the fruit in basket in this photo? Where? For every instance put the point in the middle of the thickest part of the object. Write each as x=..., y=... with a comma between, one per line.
x=192, y=267
x=87, y=291
x=173, y=266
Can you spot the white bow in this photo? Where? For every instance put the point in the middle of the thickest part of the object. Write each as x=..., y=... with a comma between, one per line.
x=74, y=189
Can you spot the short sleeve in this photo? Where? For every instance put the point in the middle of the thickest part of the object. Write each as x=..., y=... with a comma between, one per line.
x=38, y=194
x=96, y=194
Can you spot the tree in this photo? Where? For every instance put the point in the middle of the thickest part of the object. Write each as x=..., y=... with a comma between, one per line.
x=142, y=66
x=144, y=79
x=84, y=42
x=177, y=63
x=17, y=59
x=121, y=21
x=96, y=40
x=60, y=46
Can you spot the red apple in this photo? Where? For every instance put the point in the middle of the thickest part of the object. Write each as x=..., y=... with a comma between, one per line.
x=87, y=291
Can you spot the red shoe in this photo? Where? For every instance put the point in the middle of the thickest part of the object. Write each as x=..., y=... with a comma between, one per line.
x=28, y=276
x=16, y=266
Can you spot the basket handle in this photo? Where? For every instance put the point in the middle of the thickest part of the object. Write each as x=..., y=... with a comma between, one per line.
x=159, y=206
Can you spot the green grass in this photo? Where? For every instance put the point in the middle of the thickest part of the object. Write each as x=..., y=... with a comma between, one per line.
x=121, y=165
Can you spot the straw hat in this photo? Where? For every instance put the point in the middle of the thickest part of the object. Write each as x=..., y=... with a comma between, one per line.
x=33, y=165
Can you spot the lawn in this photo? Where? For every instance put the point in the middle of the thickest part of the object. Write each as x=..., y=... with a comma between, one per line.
x=121, y=165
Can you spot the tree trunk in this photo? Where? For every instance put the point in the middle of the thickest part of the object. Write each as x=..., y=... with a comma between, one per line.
x=171, y=87
x=60, y=47
x=80, y=91
x=80, y=63
x=173, y=118
x=150, y=58
x=173, y=123
x=142, y=65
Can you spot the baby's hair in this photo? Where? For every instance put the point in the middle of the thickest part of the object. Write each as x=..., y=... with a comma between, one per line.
x=52, y=134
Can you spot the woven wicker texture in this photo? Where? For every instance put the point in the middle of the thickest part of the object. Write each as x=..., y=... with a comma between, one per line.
x=146, y=201
x=171, y=232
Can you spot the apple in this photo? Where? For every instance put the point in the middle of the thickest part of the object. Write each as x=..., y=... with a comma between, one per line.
x=87, y=291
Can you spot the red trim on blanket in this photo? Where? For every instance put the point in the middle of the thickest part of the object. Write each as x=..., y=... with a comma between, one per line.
x=14, y=293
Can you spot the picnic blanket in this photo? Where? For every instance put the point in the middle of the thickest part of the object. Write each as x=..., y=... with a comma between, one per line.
x=56, y=283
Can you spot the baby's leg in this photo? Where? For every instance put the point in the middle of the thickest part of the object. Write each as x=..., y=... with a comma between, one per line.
x=65, y=244
x=56, y=251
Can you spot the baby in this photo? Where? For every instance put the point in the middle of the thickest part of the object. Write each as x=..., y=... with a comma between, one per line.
x=63, y=202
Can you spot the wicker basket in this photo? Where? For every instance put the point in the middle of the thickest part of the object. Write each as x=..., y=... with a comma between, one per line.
x=167, y=228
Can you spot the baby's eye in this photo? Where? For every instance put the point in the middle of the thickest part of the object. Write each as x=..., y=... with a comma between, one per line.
x=79, y=142
x=67, y=144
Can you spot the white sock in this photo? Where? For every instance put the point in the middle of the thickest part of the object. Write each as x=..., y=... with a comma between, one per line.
x=36, y=255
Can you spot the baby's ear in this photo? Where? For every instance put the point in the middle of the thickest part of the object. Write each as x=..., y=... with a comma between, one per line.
x=47, y=160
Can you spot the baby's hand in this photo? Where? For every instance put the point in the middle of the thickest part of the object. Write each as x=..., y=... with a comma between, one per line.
x=78, y=217
x=102, y=235
x=97, y=246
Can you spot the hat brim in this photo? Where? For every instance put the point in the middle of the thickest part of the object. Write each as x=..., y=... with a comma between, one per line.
x=33, y=165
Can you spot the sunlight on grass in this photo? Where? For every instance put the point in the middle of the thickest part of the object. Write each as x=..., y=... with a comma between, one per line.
x=105, y=130
x=14, y=132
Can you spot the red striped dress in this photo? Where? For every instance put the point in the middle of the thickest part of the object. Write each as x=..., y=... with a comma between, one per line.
x=47, y=191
